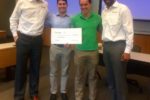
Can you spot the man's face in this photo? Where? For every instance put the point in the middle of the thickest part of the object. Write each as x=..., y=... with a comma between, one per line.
x=109, y=2
x=85, y=7
x=62, y=6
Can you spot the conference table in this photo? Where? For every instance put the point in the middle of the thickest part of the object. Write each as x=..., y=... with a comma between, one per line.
x=138, y=64
x=137, y=56
x=2, y=36
x=2, y=33
x=140, y=57
x=7, y=58
x=7, y=54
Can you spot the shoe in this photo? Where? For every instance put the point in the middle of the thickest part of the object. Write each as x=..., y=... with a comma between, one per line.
x=64, y=96
x=18, y=98
x=53, y=97
x=34, y=98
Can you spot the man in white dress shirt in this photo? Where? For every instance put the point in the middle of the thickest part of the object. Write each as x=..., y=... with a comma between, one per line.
x=117, y=36
x=26, y=24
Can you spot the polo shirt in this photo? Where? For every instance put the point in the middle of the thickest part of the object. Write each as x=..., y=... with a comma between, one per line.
x=90, y=26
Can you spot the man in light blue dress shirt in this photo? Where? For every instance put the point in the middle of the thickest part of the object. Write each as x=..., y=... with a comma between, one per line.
x=59, y=53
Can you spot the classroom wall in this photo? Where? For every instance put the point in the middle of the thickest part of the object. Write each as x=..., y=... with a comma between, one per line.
x=141, y=30
x=6, y=7
x=142, y=41
x=95, y=5
x=141, y=27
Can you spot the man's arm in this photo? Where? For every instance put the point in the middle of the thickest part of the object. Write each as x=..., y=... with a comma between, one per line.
x=127, y=22
x=14, y=20
x=46, y=36
x=47, y=30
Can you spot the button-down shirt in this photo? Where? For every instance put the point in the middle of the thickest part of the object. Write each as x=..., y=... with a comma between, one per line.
x=57, y=21
x=28, y=17
x=118, y=25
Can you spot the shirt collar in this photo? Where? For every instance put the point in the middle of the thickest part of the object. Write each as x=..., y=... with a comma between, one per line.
x=81, y=16
x=35, y=0
x=116, y=3
x=62, y=16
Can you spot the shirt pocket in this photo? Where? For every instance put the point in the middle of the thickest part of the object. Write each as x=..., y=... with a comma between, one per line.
x=114, y=22
x=114, y=19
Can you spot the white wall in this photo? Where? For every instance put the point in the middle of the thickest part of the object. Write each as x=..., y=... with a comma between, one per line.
x=95, y=5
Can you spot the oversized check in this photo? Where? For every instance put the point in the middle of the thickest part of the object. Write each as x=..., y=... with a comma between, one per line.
x=66, y=35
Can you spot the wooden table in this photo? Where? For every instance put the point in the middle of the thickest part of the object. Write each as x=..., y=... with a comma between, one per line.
x=2, y=34
x=8, y=59
x=7, y=54
x=138, y=56
x=138, y=64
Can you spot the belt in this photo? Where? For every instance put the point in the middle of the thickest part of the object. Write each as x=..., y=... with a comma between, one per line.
x=114, y=41
x=28, y=36
x=59, y=45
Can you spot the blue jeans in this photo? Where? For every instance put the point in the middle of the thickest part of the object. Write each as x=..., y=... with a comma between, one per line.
x=28, y=48
x=116, y=69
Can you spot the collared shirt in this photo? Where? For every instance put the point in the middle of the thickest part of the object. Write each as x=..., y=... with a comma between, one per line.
x=118, y=25
x=90, y=26
x=57, y=21
x=28, y=17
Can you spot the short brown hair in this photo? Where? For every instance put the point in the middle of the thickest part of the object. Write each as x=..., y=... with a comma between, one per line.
x=62, y=0
x=90, y=1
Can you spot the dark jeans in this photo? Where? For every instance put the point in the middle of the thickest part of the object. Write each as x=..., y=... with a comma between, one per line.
x=116, y=69
x=28, y=49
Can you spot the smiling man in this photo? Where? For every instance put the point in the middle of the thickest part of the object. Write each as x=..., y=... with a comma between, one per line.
x=59, y=52
x=86, y=54
x=26, y=24
x=117, y=39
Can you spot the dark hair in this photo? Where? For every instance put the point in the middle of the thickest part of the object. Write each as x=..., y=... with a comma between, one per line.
x=90, y=1
x=62, y=0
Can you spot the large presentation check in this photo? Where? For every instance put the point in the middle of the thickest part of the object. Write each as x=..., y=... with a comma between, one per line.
x=66, y=35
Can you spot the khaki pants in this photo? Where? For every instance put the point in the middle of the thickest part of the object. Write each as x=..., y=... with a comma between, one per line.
x=85, y=62
x=59, y=55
